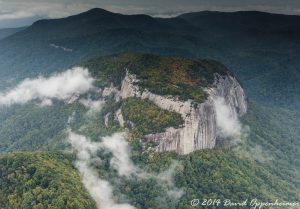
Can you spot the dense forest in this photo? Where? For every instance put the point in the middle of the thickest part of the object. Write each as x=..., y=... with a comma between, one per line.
x=258, y=167
x=41, y=180
x=37, y=165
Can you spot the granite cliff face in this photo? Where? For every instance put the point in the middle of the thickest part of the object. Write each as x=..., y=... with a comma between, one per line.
x=200, y=128
x=206, y=96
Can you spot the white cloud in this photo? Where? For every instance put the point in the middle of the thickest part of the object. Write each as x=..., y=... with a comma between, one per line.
x=94, y=106
x=121, y=158
x=62, y=86
x=228, y=123
x=122, y=162
x=100, y=190
x=166, y=178
x=61, y=48
x=227, y=120
x=17, y=9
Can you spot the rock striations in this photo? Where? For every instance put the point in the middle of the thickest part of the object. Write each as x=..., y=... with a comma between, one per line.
x=199, y=130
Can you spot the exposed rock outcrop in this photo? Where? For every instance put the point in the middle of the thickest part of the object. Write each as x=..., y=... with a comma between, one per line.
x=200, y=126
x=106, y=120
x=229, y=88
x=111, y=91
x=120, y=118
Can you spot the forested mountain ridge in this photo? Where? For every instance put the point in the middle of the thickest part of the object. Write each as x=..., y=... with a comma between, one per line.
x=5, y=32
x=260, y=49
x=238, y=172
x=41, y=180
x=239, y=40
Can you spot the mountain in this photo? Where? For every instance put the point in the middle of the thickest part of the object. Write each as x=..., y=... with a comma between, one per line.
x=261, y=48
x=35, y=180
x=186, y=89
x=160, y=92
x=252, y=22
x=148, y=105
x=182, y=92
x=76, y=38
x=5, y=32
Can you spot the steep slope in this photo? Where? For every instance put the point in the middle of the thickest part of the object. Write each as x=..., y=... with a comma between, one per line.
x=222, y=172
x=5, y=32
x=200, y=127
x=31, y=127
x=247, y=22
x=261, y=49
x=75, y=38
x=239, y=40
x=186, y=87
x=275, y=137
x=41, y=180
x=176, y=85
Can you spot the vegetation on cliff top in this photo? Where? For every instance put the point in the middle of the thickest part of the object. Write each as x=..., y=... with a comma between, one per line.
x=147, y=117
x=207, y=173
x=184, y=78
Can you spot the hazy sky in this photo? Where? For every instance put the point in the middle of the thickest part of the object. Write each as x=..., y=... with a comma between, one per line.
x=23, y=12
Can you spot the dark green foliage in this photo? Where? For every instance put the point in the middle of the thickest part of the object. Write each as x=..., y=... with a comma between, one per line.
x=203, y=72
x=224, y=175
x=275, y=139
x=147, y=117
x=108, y=70
x=262, y=49
x=94, y=126
x=220, y=174
x=179, y=77
x=210, y=173
x=32, y=127
x=41, y=180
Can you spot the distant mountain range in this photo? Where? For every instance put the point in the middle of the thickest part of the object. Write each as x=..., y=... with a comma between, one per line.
x=262, y=49
x=5, y=32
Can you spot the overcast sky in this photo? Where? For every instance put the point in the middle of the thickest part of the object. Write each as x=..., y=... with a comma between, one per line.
x=15, y=13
